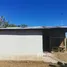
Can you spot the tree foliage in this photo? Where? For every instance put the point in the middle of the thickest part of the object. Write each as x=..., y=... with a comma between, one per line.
x=4, y=23
x=23, y=25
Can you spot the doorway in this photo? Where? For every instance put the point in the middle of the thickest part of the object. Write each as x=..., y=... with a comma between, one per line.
x=46, y=43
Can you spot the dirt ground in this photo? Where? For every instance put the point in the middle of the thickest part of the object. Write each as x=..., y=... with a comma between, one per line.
x=62, y=56
x=23, y=64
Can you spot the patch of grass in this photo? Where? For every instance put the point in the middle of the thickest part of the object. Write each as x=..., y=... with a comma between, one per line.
x=61, y=55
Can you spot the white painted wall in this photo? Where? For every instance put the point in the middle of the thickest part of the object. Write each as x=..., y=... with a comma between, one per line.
x=20, y=44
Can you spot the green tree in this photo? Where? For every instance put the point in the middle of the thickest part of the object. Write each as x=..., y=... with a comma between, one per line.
x=4, y=23
x=23, y=25
x=12, y=25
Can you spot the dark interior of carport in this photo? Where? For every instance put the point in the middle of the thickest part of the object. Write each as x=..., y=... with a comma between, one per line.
x=53, y=37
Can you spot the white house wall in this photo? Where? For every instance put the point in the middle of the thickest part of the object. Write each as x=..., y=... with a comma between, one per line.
x=19, y=43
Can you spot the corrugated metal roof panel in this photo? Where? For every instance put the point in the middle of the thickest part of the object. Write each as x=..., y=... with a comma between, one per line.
x=35, y=27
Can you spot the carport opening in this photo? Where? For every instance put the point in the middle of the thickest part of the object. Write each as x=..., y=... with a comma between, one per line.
x=51, y=41
x=57, y=42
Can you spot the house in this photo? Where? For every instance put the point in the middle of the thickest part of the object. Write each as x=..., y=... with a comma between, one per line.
x=31, y=40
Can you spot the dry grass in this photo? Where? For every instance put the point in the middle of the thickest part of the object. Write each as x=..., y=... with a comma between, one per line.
x=23, y=64
x=62, y=56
